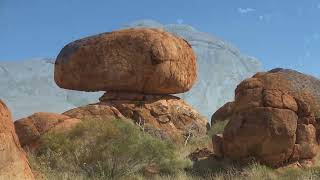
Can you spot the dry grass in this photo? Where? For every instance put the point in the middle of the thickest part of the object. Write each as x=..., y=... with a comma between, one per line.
x=104, y=149
x=217, y=128
x=92, y=150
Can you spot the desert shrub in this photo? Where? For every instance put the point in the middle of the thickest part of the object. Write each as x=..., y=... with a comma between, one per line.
x=105, y=149
x=217, y=128
x=300, y=174
x=114, y=149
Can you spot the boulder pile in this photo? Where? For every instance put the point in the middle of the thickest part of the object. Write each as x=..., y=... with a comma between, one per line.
x=13, y=161
x=273, y=119
x=138, y=69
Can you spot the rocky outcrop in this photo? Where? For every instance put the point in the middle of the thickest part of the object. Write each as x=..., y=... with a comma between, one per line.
x=138, y=68
x=268, y=134
x=221, y=67
x=165, y=116
x=146, y=60
x=296, y=84
x=30, y=129
x=13, y=161
x=223, y=113
x=273, y=119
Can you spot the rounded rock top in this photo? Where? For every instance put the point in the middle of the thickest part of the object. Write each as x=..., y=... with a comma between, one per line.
x=143, y=60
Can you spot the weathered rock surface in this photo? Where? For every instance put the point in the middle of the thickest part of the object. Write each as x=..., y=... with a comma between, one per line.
x=273, y=118
x=296, y=84
x=30, y=129
x=268, y=134
x=166, y=116
x=13, y=161
x=145, y=60
x=223, y=113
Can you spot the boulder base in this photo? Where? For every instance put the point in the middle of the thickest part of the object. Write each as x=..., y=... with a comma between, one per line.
x=166, y=117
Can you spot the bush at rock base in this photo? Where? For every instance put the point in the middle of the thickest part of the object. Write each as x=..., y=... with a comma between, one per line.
x=86, y=153
x=104, y=149
x=217, y=128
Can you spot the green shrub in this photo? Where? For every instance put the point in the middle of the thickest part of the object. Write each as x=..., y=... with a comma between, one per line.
x=217, y=128
x=114, y=149
x=101, y=149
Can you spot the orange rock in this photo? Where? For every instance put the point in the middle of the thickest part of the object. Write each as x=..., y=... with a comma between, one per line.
x=133, y=60
x=162, y=116
x=273, y=118
x=266, y=133
x=249, y=98
x=223, y=113
x=13, y=161
x=296, y=84
x=30, y=129
x=306, y=141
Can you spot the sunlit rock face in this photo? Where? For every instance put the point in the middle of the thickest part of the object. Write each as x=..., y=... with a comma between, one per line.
x=220, y=67
x=28, y=87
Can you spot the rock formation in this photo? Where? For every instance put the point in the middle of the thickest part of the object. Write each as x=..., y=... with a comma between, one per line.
x=223, y=113
x=163, y=116
x=221, y=68
x=30, y=129
x=13, y=161
x=273, y=119
x=134, y=60
x=139, y=69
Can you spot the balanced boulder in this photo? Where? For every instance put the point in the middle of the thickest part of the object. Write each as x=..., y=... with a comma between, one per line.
x=145, y=60
x=13, y=161
x=273, y=119
x=30, y=129
x=163, y=116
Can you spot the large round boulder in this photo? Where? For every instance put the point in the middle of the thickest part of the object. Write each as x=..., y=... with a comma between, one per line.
x=268, y=134
x=296, y=84
x=13, y=161
x=163, y=116
x=273, y=119
x=133, y=60
x=221, y=66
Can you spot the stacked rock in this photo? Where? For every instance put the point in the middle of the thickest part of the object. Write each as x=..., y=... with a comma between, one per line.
x=13, y=161
x=138, y=69
x=273, y=119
